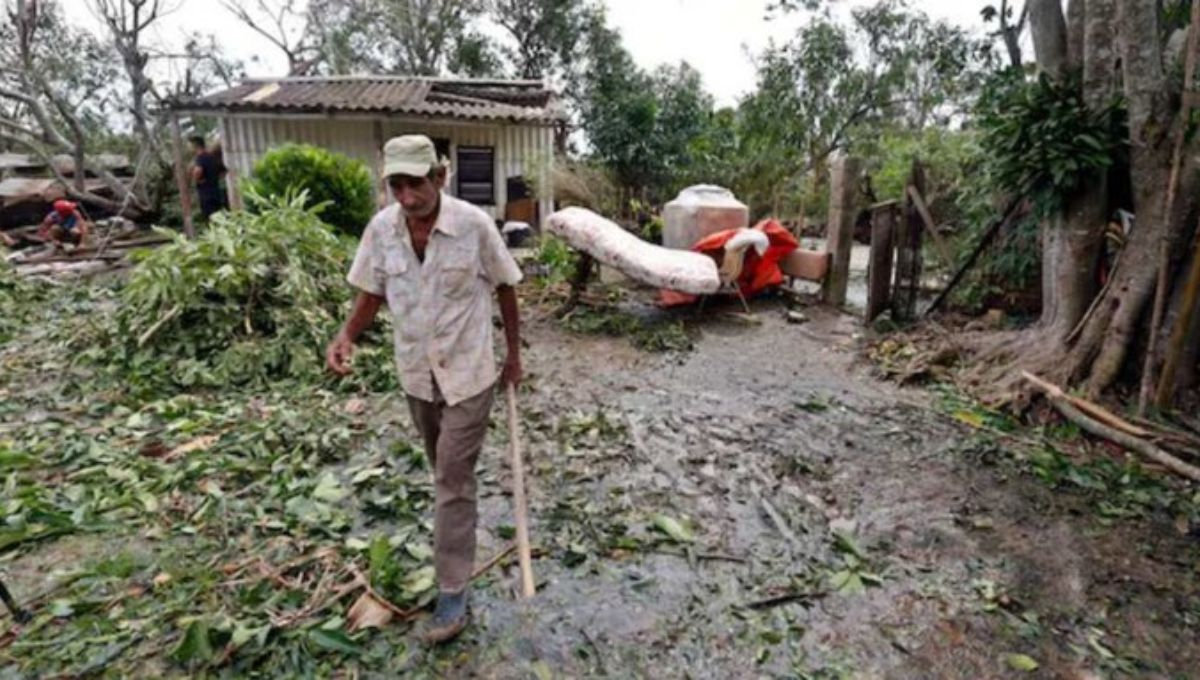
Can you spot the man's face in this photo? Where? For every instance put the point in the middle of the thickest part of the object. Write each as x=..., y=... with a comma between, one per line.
x=418, y=196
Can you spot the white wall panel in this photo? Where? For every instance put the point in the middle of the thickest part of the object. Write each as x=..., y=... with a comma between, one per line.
x=248, y=138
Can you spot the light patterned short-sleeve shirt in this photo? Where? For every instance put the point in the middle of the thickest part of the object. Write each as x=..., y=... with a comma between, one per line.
x=441, y=308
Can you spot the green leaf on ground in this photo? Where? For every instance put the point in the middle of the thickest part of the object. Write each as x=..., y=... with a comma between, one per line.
x=335, y=641
x=195, y=645
x=674, y=529
x=1021, y=662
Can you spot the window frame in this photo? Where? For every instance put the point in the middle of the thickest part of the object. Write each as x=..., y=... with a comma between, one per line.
x=458, y=174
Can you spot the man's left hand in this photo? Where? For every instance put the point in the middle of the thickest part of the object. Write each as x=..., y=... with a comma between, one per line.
x=512, y=373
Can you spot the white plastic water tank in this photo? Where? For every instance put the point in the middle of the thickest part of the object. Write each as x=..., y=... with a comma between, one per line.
x=699, y=211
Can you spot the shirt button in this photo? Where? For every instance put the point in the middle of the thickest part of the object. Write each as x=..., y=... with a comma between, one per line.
x=441, y=363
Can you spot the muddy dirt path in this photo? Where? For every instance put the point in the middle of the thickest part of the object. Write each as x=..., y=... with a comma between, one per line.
x=842, y=528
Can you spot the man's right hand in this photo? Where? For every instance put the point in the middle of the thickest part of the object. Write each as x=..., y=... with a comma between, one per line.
x=337, y=355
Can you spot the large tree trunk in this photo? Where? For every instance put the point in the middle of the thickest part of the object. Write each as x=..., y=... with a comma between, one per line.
x=1186, y=374
x=1072, y=238
x=1071, y=243
x=1049, y=32
x=1076, y=19
x=1104, y=344
x=1104, y=34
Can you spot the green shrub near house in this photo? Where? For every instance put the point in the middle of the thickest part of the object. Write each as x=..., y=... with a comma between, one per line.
x=341, y=183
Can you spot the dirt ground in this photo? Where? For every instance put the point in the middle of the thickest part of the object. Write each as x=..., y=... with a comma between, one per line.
x=763, y=507
x=769, y=441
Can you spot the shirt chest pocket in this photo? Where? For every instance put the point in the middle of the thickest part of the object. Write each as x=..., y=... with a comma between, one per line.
x=398, y=285
x=459, y=274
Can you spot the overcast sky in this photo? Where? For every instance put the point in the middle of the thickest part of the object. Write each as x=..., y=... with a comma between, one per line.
x=717, y=37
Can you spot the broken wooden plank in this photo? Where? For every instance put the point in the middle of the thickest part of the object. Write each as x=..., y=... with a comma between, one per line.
x=84, y=253
x=84, y=268
x=943, y=248
x=879, y=266
x=908, y=255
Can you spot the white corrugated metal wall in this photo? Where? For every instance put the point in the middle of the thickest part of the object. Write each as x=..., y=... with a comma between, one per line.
x=519, y=149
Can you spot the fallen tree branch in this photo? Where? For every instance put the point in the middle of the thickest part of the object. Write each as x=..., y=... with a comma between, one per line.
x=777, y=519
x=1066, y=405
x=1172, y=437
x=805, y=598
x=171, y=314
x=702, y=557
x=496, y=559
x=1109, y=418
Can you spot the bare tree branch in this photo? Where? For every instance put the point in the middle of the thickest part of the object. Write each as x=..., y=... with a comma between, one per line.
x=1011, y=35
x=126, y=21
x=44, y=119
x=302, y=54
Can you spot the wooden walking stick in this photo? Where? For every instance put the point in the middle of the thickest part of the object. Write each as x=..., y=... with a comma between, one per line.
x=518, y=473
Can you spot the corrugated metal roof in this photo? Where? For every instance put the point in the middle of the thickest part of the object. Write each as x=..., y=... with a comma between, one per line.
x=25, y=187
x=18, y=161
x=521, y=101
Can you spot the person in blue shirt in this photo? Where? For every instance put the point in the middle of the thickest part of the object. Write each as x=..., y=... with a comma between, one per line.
x=64, y=224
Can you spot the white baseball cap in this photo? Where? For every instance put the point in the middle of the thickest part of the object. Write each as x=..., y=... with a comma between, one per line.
x=412, y=155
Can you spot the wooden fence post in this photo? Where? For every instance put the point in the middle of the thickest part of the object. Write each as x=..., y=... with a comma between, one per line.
x=879, y=267
x=181, y=177
x=908, y=252
x=839, y=236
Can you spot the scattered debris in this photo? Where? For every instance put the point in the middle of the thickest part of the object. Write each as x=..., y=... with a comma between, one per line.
x=910, y=360
x=280, y=525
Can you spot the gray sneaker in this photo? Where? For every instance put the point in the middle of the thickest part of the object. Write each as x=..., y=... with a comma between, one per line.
x=450, y=617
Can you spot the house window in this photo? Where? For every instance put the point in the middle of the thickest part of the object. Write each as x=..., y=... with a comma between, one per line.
x=476, y=172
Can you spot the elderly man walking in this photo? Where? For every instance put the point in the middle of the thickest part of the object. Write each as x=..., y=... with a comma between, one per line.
x=436, y=260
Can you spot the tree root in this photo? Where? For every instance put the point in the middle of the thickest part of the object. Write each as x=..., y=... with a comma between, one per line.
x=995, y=375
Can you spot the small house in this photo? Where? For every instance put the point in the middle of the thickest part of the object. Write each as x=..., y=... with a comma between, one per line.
x=493, y=132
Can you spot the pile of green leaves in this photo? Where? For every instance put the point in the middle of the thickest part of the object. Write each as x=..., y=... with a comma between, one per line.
x=159, y=518
x=652, y=336
x=17, y=297
x=255, y=298
x=556, y=259
x=1043, y=138
x=198, y=500
x=339, y=183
